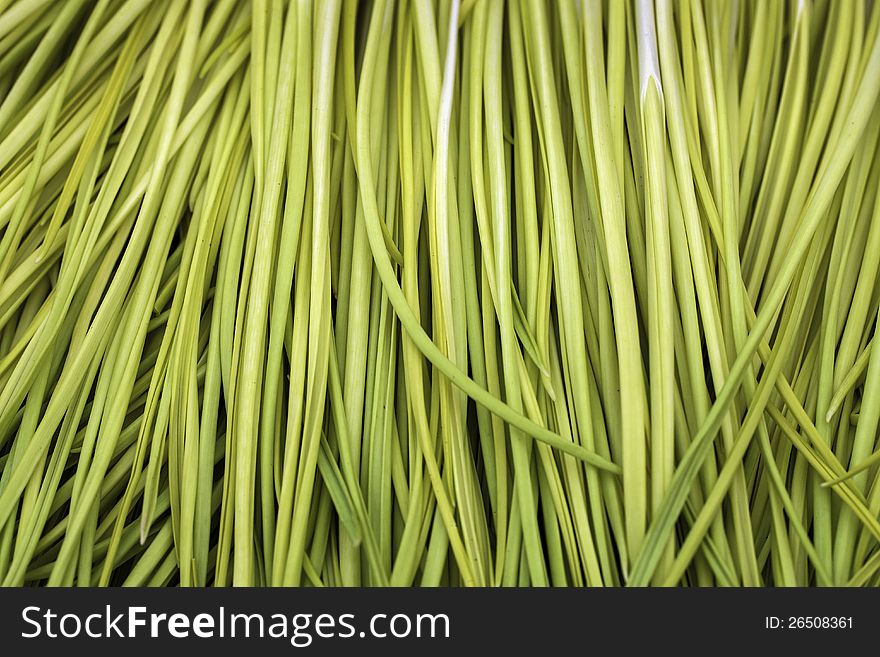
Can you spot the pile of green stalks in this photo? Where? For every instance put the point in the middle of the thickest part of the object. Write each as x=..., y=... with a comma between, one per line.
x=439, y=293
